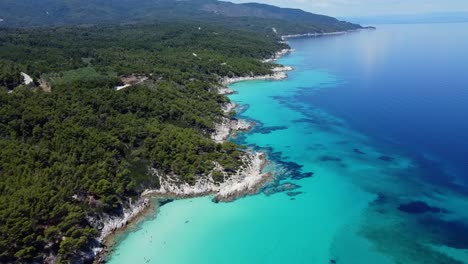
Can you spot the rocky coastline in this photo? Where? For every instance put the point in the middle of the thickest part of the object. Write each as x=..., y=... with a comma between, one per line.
x=111, y=227
x=320, y=34
x=278, y=73
x=279, y=54
x=315, y=34
x=247, y=180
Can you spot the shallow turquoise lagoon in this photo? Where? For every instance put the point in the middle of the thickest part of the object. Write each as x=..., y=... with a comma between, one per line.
x=368, y=200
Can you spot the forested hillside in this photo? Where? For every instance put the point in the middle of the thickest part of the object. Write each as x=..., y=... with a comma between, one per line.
x=255, y=17
x=73, y=148
x=162, y=49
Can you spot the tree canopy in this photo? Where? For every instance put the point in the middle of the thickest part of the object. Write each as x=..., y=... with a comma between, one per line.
x=83, y=149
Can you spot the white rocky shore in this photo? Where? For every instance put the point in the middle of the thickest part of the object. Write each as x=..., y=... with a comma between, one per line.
x=279, y=73
x=227, y=108
x=111, y=224
x=225, y=90
x=247, y=180
x=228, y=127
x=316, y=34
x=278, y=55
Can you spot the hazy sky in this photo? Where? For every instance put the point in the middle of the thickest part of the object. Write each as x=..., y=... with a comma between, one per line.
x=369, y=7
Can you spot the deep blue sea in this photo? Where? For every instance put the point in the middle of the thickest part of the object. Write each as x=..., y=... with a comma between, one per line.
x=402, y=83
x=368, y=139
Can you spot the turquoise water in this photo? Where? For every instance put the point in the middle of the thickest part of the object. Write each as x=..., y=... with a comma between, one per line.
x=360, y=198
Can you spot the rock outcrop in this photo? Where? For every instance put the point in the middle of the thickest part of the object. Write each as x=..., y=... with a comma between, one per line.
x=247, y=180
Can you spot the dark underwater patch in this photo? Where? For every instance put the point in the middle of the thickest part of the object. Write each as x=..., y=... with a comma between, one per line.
x=358, y=151
x=342, y=142
x=419, y=207
x=284, y=187
x=268, y=130
x=242, y=108
x=291, y=194
x=434, y=173
x=453, y=234
x=301, y=176
x=162, y=202
x=381, y=199
x=386, y=158
x=306, y=121
x=294, y=170
x=330, y=158
x=286, y=101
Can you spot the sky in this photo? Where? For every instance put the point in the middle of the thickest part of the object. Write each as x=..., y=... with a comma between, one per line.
x=350, y=8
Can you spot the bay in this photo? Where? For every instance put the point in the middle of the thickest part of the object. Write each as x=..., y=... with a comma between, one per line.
x=373, y=128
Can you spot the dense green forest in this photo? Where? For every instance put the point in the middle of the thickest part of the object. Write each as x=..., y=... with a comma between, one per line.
x=252, y=16
x=166, y=50
x=83, y=148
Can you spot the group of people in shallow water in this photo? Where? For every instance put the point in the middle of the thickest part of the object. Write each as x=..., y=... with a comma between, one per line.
x=147, y=260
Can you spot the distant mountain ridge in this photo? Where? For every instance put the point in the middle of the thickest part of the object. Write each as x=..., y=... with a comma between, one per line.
x=253, y=16
x=266, y=11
